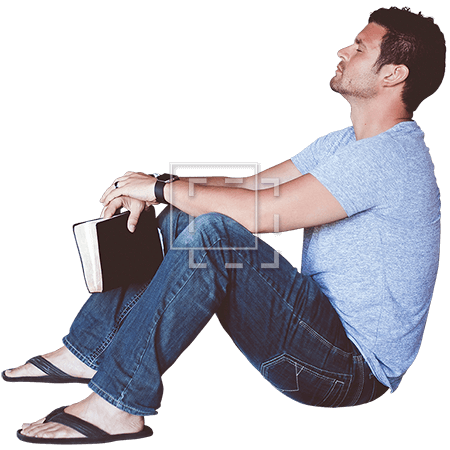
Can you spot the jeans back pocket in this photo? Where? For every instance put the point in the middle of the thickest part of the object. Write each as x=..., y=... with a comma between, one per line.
x=305, y=383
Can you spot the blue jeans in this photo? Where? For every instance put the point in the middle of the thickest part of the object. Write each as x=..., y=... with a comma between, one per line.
x=279, y=319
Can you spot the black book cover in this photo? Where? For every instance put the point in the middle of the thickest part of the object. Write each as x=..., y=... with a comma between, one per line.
x=125, y=257
x=128, y=257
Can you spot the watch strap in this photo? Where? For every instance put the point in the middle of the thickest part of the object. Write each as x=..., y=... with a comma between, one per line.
x=159, y=192
x=161, y=181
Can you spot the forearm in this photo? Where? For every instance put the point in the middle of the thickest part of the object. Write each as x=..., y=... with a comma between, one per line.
x=196, y=198
x=226, y=182
x=269, y=178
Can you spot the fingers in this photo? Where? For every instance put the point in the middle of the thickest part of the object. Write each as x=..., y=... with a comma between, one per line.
x=112, y=188
x=111, y=194
x=152, y=203
x=133, y=220
x=134, y=206
x=118, y=182
x=136, y=185
x=112, y=207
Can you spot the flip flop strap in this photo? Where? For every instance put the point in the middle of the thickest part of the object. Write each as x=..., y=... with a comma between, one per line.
x=47, y=367
x=80, y=425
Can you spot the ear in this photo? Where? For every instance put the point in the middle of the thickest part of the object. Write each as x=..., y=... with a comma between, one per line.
x=394, y=75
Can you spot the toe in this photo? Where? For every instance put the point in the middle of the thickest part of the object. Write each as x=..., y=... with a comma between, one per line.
x=13, y=372
x=27, y=426
x=24, y=371
x=50, y=431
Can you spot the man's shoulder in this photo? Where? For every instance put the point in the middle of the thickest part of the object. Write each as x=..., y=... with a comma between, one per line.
x=339, y=137
x=321, y=148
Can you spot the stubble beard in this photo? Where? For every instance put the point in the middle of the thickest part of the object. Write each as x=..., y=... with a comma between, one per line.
x=358, y=89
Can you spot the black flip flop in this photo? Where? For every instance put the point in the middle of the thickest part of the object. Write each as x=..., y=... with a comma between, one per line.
x=54, y=375
x=94, y=435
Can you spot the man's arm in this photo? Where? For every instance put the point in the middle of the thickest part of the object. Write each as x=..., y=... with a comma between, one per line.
x=291, y=202
x=299, y=203
x=282, y=173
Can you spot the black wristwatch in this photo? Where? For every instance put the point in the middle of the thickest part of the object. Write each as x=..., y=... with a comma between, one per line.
x=161, y=181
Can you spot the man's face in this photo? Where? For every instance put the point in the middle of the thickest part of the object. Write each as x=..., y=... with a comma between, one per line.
x=356, y=75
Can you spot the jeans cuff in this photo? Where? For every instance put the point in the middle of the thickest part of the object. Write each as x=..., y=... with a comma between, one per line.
x=78, y=354
x=128, y=409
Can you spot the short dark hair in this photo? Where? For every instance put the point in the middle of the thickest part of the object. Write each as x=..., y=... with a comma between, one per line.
x=416, y=42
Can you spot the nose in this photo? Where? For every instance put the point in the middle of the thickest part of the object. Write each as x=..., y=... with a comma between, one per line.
x=343, y=53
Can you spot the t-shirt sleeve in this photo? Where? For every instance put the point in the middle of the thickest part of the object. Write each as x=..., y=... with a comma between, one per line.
x=361, y=175
x=321, y=149
x=307, y=159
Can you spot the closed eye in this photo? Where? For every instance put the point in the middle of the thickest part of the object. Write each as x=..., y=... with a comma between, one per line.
x=360, y=45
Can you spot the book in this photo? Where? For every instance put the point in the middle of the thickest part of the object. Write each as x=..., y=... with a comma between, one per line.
x=111, y=256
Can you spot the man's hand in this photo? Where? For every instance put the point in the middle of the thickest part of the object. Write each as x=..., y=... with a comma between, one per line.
x=134, y=206
x=136, y=185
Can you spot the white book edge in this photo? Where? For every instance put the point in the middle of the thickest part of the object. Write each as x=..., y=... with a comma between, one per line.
x=86, y=236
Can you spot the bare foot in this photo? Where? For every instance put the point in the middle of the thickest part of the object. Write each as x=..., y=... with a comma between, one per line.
x=61, y=358
x=94, y=410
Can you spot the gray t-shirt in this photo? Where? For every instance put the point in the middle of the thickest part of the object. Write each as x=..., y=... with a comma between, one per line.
x=378, y=266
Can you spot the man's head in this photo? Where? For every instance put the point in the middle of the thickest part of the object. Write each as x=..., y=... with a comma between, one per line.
x=411, y=55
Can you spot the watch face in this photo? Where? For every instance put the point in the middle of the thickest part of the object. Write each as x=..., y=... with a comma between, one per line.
x=168, y=177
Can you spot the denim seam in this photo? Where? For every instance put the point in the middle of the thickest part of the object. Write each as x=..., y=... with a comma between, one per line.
x=78, y=354
x=132, y=303
x=110, y=336
x=360, y=361
x=323, y=340
x=117, y=403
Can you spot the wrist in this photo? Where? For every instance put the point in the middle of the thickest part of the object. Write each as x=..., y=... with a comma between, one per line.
x=160, y=191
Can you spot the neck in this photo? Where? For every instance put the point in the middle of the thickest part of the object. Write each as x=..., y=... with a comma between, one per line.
x=372, y=118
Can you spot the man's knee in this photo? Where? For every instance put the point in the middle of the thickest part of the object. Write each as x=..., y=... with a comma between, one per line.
x=214, y=220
